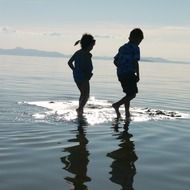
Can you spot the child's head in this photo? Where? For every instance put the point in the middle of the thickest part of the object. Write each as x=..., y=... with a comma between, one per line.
x=136, y=36
x=87, y=41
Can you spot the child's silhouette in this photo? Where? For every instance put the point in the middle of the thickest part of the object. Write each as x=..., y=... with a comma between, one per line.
x=127, y=65
x=82, y=67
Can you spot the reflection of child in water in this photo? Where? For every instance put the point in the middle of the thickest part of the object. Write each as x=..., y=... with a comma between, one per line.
x=123, y=168
x=82, y=69
x=127, y=65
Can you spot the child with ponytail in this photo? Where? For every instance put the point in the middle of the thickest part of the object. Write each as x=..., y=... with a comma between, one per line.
x=81, y=65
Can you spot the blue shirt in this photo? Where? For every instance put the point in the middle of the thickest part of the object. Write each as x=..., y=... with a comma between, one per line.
x=83, y=66
x=125, y=59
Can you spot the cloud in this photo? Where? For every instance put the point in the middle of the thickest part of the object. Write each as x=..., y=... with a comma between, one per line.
x=171, y=42
x=29, y=32
x=103, y=36
x=53, y=34
x=7, y=30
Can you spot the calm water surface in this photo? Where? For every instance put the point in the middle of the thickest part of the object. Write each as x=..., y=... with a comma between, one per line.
x=51, y=149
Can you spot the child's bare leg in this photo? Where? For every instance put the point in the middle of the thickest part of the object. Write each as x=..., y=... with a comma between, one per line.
x=127, y=112
x=127, y=106
x=79, y=110
x=126, y=101
x=116, y=107
x=84, y=90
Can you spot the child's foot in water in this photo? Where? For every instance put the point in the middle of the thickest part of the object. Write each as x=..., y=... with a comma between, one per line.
x=79, y=112
x=116, y=107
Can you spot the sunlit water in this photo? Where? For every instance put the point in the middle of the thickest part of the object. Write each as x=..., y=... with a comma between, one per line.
x=45, y=146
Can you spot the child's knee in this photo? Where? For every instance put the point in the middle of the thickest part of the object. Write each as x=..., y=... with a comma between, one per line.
x=132, y=96
x=87, y=96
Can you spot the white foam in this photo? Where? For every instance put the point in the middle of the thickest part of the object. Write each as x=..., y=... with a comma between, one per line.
x=97, y=111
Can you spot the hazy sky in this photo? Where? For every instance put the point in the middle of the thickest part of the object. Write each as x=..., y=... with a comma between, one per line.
x=55, y=25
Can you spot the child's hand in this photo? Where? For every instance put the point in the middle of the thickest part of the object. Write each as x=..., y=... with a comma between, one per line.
x=115, y=63
x=137, y=79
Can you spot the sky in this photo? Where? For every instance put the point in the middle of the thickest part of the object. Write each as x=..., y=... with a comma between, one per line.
x=55, y=25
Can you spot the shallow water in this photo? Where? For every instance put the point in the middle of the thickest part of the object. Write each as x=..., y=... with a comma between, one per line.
x=45, y=146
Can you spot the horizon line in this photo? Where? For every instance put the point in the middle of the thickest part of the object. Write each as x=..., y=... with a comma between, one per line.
x=19, y=51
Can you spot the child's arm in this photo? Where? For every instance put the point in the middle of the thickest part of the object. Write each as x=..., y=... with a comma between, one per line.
x=115, y=61
x=137, y=71
x=70, y=62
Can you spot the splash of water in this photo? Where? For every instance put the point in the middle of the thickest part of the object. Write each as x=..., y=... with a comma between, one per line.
x=97, y=111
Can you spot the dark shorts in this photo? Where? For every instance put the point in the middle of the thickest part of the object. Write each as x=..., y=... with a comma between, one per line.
x=84, y=83
x=129, y=84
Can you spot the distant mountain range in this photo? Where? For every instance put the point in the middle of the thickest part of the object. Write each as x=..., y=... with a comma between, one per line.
x=18, y=51
x=30, y=52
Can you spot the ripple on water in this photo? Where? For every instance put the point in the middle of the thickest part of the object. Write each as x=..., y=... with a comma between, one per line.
x=164, y=153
